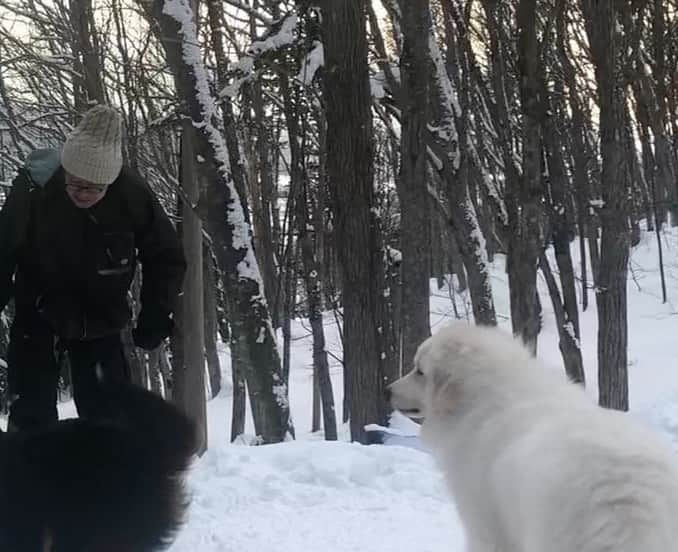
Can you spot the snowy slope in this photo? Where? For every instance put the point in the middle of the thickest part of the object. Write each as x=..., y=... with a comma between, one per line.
x=312, y=496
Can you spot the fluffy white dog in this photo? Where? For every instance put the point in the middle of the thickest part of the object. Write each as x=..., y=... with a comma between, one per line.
x=532, y=463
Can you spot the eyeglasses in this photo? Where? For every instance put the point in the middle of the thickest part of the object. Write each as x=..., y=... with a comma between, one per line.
x=86, y=189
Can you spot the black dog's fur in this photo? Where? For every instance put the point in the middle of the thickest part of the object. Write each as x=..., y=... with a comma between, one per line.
x=97, y=486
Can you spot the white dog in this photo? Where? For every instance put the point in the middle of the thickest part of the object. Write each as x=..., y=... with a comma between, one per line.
x=532, y=463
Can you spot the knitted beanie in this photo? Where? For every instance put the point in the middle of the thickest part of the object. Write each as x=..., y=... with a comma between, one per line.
x=93, y=149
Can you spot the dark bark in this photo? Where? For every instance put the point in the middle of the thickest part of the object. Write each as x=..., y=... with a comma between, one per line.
x=189, y=377
x=321, y=369
x=239, y=409
x=260, y=182
x=658, y=187
x=262, y=194
x=357, y=230
x=523, y=186
x=448, y=141
x=607, y=53
x=415, y=236
x=154, y=373
x=455, y=155
x=559, y=207
x=231, y=235
x=567, y=340
x=165, y=370
x=299, y=199
x=581, y=157
x=210, y=301
x=526, y=216
x=88, y=84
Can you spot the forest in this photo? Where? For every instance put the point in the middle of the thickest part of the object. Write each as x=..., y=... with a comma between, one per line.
x=332, y=161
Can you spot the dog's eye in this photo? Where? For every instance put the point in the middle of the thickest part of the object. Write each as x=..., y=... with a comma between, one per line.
x=418, y=372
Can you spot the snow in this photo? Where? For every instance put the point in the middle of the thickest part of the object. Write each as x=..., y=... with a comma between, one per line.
x=569, y=328
x=394, y=254
x=314, y=60
x=477, y=238
x=309, y=495
x=447, y=131
x=312, y=495
x=284, y=36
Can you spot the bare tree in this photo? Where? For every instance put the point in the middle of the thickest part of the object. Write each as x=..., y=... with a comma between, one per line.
x=457, y=161
x=189, y=374
x=88, y=83
x=210, y=276
x=415, y=238
x=559, y=209
x=607, y=53
x=227, y=226
x=350, y=175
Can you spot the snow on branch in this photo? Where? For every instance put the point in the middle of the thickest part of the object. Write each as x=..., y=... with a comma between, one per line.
x=282, y=34
x=446, y=129
x=182, y=13
x=313, y=61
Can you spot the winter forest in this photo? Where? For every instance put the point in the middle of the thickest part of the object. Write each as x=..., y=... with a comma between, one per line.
x=337, y=162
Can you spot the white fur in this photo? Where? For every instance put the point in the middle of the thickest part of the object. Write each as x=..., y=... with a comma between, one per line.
x=532, y=463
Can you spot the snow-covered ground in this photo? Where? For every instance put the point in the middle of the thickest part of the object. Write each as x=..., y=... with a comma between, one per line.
x=310, y=495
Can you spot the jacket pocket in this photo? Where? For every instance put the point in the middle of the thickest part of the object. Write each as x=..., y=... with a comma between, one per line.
x=115, y=255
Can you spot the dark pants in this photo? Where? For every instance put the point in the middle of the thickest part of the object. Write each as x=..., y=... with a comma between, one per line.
x=33, y=373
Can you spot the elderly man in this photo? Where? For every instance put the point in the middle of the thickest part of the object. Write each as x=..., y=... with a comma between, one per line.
x=73, y=227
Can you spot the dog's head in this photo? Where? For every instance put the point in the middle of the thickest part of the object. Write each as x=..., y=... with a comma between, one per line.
x=447, y=365
x=430, y=383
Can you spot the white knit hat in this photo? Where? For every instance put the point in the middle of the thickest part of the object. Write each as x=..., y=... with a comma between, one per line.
x=93, y=149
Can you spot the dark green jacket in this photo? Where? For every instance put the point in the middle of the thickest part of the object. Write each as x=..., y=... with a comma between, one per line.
x=73, y=267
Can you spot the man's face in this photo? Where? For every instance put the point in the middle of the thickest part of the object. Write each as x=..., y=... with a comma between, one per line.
x=82, y=193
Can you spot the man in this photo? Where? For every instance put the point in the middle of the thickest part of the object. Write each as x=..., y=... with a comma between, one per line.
x=71, y=232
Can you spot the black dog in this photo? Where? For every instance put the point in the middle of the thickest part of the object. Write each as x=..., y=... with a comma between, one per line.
x=97, y=486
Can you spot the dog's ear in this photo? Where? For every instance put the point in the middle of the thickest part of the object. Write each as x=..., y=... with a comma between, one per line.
x=446, y=391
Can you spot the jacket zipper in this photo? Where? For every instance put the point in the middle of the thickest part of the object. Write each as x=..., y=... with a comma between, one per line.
x=84, y=315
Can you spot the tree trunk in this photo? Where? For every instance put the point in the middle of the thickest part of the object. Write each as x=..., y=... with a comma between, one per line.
x=357, y=229
x=522, y=184
x=154, y=374
x=88, y=85
x=588, y=229
x=189, y=377
x=262, y=190
x=607, y=53
x=446, y=137
x=228, y=226
x=567, y=340
x=321, y=369
x=165, y=372
x=559, y=203
x=450, y=143
x=299, y=220
x=526, y=239
x=239, y=409
x=211, y=334
x=415, y=236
